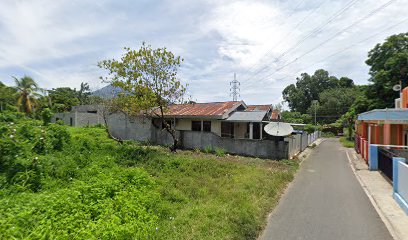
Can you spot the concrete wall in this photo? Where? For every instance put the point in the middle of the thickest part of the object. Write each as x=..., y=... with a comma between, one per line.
x=400, y=182
x=299, y=142
x=79, y=119
x=403, y=180
x=247, y=147
x=135, y=128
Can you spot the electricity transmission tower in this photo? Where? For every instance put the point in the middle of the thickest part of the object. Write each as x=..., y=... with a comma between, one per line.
x=234, y=88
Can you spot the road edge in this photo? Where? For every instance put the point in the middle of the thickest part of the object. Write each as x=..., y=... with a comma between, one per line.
x=393, y=232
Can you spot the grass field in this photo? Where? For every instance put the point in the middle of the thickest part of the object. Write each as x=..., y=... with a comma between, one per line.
x=90, y=187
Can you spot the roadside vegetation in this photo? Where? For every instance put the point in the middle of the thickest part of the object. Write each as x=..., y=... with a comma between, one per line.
x=76, y=183
x=346, y=142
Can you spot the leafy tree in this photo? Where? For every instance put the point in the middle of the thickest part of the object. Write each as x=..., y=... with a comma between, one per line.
x=296, y=117
x=84, y=93
x=307, y=88
x=28, y=90
x=148, y=78
x=334, y=102
x=8, y=97
x=388, y=66
x=63, y=99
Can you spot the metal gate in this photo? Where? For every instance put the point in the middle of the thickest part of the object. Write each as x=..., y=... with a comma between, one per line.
x=385, y=161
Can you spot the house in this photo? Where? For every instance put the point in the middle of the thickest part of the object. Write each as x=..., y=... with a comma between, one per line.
x=225, y=119
x=382, y=140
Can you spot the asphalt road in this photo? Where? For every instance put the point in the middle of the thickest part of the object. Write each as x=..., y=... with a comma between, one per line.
x=325, y=201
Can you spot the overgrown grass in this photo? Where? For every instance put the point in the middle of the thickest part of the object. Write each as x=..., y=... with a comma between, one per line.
x=346, y=143
x=94, y=188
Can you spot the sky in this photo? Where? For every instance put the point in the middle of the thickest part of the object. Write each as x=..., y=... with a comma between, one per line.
x=266, y=43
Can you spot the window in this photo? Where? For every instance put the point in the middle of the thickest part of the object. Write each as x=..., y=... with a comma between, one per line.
x=71, y=122
x=227, y=129
x=207, y=126
x=167, y=122
x=196, y=126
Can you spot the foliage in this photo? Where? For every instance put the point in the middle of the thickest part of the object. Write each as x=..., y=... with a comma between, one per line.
x=220, y=152
x=310, y=128
x=46, y=116
x=328, y=134
x=296, y=117
x=8, y=97
x=63, y=98
x=334, y=103
x=94, y=188
x=208, y=149
x=388, y=63
x=28, y=90
x=307, y=88
x=347, y=143
x=148, y=78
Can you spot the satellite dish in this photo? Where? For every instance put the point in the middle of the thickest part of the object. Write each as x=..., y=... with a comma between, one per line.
x=279, y=129
x=396, y=88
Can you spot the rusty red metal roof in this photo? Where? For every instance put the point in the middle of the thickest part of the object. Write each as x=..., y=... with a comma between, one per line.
x=251, y=108
x=275, y=114
x=212, y=109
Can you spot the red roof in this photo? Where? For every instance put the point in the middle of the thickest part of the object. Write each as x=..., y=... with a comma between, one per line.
x=275, y=114
x=251, y=108
x=201, y=109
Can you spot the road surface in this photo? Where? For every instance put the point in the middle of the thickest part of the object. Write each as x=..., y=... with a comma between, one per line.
x=325, y=201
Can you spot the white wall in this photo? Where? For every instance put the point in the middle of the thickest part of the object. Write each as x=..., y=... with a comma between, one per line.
x=403, y=180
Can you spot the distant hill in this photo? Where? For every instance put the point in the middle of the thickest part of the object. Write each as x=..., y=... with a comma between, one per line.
x=107, y=92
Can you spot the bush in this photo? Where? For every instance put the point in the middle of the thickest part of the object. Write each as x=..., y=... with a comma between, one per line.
x=219, y=152
x=328, y=134
x=208, y=149
x=346, y=143
x=46, y=116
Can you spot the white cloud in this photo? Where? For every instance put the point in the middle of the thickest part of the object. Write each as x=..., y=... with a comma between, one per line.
x=60, y=42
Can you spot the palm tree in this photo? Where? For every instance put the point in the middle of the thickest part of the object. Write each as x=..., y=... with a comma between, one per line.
x=28, y=90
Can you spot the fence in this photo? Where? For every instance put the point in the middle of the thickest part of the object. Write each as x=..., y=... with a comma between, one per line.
x=385, y=162
x=299, y=142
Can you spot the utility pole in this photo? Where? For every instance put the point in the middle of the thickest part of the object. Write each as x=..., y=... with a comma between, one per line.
x=315, y=108
x=234, y=88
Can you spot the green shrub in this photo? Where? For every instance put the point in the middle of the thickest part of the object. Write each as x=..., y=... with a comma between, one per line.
x=46, y=116
x=328, y=134
x=208, y=149
x=346, y=143
x=219, y=152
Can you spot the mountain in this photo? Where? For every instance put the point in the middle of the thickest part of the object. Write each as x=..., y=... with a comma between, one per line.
x=108, y=91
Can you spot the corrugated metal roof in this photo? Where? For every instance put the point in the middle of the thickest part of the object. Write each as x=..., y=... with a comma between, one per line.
x=392, y=116
x=258, y=108
x=254, y=116
x=214, y=109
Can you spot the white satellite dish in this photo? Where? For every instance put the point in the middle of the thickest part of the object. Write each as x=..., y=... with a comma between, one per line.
x=279, y=129
x=396, y=88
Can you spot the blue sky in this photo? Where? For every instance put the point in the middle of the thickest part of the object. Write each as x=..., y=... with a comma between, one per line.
x=59, y=43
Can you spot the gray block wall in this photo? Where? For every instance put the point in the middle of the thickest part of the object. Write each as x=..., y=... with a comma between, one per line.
x=247, y=147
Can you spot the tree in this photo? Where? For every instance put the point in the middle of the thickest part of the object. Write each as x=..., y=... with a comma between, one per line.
x=334, y=103
x=296, y=117
x=149, y=82
x=388, y=66
x=8, y=97
x=63, y=99
x=28, y=90
x=84, y=93
x=307, y=88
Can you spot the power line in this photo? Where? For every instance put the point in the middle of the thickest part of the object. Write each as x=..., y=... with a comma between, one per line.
x=282, y=39
x=334, y=36
x=307, y=36
x=386, y=28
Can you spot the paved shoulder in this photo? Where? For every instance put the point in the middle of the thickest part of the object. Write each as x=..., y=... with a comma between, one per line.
x=325, y=201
